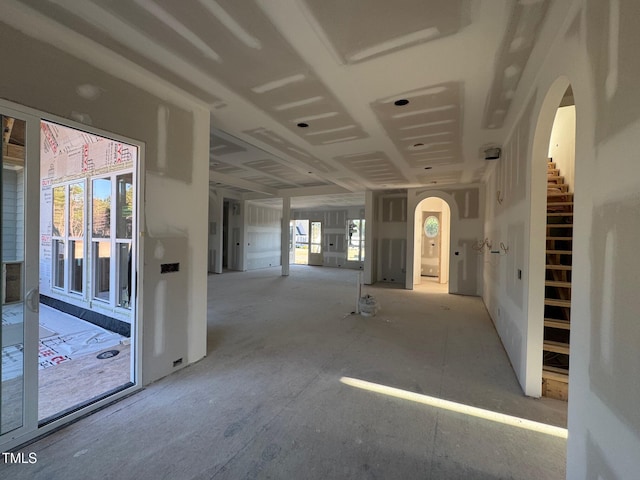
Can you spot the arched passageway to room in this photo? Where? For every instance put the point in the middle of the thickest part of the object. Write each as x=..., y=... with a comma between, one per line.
x=432, y=220
x=449, y=253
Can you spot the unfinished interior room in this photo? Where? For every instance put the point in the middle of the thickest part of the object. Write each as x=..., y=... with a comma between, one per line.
x=320, y=239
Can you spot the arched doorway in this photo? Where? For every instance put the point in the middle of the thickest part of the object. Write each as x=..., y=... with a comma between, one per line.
x=432, y=241
x=551, y=220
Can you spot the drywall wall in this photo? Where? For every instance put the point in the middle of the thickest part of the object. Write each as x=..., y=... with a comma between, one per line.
x=507, y=212
x=334, y=232
x=466, y=231
x=262, y=236
x=390, y=232
x=216, y=204
x=562, y=145
x=175, y=133
x=595, y=51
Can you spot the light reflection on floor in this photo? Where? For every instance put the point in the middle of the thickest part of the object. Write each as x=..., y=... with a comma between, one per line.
x=456, y=407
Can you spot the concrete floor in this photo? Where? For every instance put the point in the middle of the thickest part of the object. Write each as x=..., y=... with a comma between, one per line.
x=268, y=401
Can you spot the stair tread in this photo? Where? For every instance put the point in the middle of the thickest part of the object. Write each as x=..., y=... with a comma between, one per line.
x=558, y=267
x=560, y=238
x=559, y=214
x=559, y=194
x=556, y=347
x=556, y=323
x=556, y=302
x=554, y=373
x=557, y=283
x=560, y=252
x=560, y=225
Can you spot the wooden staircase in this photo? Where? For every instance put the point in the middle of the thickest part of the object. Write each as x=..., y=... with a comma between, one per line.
x=557, y=302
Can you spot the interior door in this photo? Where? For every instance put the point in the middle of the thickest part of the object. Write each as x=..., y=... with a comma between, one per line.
x=430, y=264
x=20, y=297
x=315, y=244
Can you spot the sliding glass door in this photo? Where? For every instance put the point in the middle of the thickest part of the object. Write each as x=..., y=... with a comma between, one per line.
x=19, y=295
x=69, y=255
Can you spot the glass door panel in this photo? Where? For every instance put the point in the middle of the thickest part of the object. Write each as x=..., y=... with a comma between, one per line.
x=315, y=244
x=301, y=242
x=12, y=392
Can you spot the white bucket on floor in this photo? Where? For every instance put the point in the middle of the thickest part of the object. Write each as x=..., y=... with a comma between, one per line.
x=367, y=306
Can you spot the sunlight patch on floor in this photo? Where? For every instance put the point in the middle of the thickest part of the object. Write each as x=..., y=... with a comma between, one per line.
x=456, y=407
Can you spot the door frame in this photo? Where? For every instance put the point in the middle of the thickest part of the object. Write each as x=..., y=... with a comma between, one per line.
x=315, y=259
x=30, y=279
x=31, y=429
x=415, y=197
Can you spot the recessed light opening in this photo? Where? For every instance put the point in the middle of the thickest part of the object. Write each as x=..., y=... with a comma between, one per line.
x=401, y=102
x=303, y=125
x=428, y=168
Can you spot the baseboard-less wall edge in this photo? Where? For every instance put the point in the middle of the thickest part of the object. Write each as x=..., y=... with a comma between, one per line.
x=112, y=324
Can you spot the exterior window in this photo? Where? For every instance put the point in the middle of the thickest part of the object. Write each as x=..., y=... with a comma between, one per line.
x=58, y=235
x=102, y=270
x=355, y=240
x=76, y=210
x=77, y=265
x=124, y=216
x=68, y=230
x=431, y=227
x=76, y=236
x=124, y=235
x=92, y=253
x=59, y=204
x=102, y=208
x=101, y=229
x=59, y=257
x=124, y=275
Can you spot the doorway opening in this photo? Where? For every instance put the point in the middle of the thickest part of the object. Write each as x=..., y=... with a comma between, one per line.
x=299, y=242
x=432, y=241
x=87, y=250
x=305, y=242
x=225, y=235
x=559, y=250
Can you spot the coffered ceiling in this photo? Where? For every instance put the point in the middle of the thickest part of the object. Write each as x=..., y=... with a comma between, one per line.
x=336, y=96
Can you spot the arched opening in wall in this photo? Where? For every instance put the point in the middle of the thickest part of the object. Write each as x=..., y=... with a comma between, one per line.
x=432, y=241
x=558, y=250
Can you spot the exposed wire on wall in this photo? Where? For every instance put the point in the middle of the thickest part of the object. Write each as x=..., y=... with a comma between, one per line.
x=502, y=251
x=499, y=198
x=483, y=245
x=486, y=246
